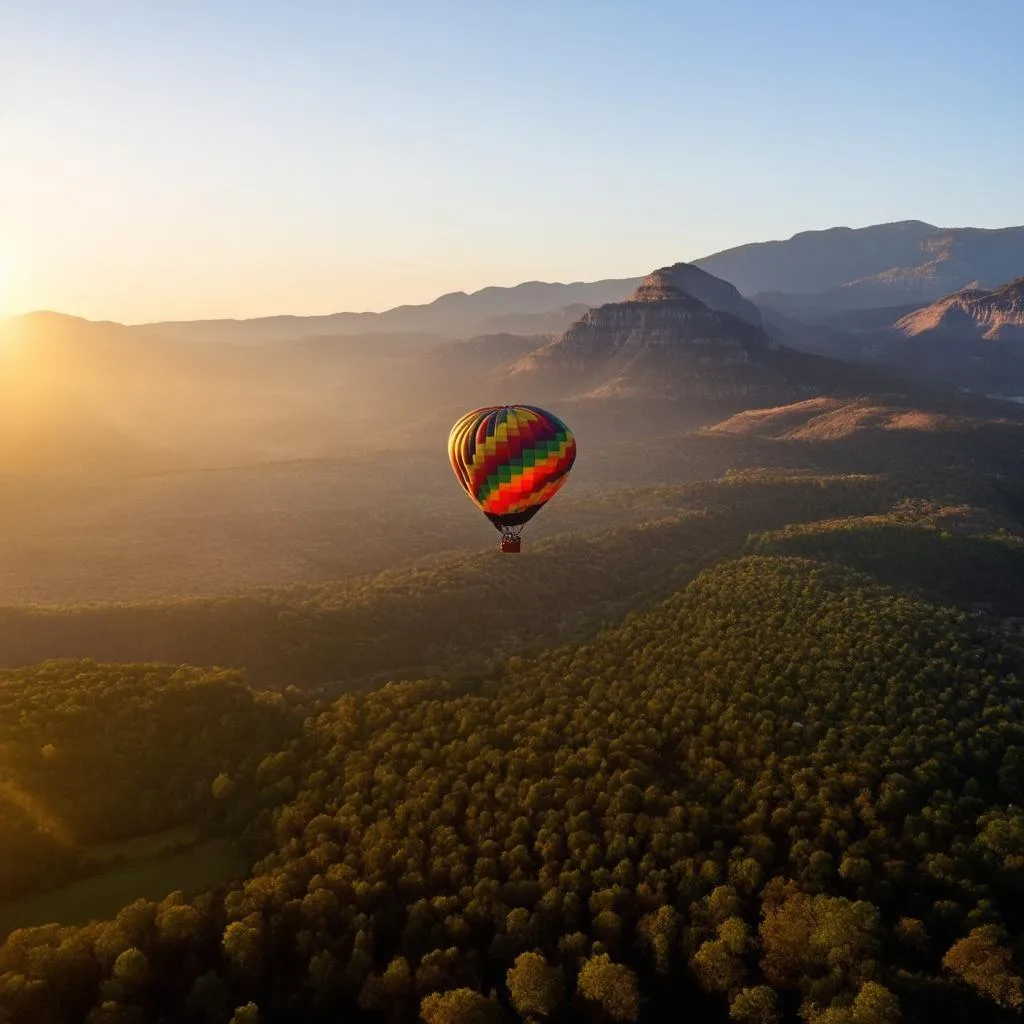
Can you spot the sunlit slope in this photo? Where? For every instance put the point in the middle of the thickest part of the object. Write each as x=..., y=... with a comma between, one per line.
x=920, y=419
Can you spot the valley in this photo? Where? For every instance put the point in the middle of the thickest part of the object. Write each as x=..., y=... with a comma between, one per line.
x=740, y=729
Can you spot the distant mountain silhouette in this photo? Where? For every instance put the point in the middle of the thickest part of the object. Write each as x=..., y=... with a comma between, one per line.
x=815, y=261
x=813, y=274
x=550, y=322
x=533, y=307
x=820, y=272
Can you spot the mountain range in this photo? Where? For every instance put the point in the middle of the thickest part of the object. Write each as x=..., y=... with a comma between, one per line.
x=812, y=274
x=285, y=387
x=971, y=340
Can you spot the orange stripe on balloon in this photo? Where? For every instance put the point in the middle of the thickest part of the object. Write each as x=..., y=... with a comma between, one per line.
x=502, y=500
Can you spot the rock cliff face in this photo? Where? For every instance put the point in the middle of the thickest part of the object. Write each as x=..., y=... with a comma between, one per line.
x=971, y=314
x=685, y=278
x=664, y=342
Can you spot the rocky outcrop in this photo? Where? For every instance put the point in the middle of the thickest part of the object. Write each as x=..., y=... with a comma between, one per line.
x=971, y=314
x=664, y=342
x=686, y=279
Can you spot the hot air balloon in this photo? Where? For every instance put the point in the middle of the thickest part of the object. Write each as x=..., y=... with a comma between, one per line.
x=511, y=460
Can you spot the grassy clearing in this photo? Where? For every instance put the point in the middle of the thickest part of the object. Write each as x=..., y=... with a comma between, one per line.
x=102, y=896
x=147, y=846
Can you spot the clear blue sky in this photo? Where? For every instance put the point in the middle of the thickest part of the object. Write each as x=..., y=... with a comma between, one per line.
x=213, y=157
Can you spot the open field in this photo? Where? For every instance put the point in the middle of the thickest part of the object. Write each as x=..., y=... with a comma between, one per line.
x=149, y=877
x=147, y=846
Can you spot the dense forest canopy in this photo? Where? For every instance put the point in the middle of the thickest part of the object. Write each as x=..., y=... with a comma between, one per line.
x=787, y=787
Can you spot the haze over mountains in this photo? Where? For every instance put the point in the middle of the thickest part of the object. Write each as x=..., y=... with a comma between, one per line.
x=535, y=305
x=814, y=272
x=80, y=394
x=234, y=447
x=291, y=734
x=842, y=292
x=882, y=265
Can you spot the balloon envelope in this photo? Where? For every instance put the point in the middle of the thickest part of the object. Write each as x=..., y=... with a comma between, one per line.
x=511, y=460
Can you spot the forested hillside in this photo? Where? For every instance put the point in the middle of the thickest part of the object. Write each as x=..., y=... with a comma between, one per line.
x=786, y=788
x=455, y=610
x=95, y=753
x=979, y=569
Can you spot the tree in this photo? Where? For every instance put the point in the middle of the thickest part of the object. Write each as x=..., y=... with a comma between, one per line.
x=658, y=931
x=912, y=933
x=534, y=987
x=178, y=923
x=132, y=969
x=112, y=1012
x=246, y=1014
x=325, y=977
x=243, y=944
x=718, y=963
x=875, y=1004
x=387, y=993
x=612, y=987
x=754, y=1006
x=984, y=964
x=223, y=787
x=441, y=970
x=460, y=1006
x=820, y=943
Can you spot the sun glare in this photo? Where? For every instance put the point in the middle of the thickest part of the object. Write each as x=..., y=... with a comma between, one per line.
x=7, y=296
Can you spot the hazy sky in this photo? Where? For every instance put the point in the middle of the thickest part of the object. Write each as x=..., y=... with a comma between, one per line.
x=196, y=158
